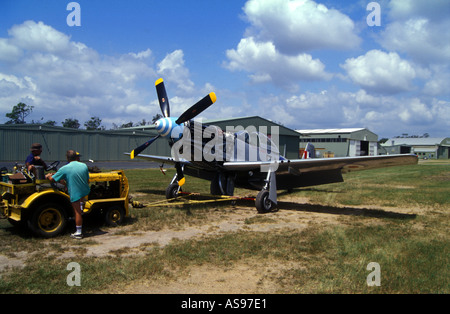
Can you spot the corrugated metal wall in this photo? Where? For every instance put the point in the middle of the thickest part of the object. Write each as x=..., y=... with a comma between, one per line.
x=16, y=140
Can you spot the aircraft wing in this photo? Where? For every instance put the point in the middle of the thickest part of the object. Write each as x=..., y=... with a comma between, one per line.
x=298, y=166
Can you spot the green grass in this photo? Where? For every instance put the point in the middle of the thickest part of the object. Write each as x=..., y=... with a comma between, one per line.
x=421, y=185
x=412, y=250
x=328, y=261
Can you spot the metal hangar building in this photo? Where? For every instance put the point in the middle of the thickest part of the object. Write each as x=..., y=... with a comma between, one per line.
x=423, y=147
x=346, y=142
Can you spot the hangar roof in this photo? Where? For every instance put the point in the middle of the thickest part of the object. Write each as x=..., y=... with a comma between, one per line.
x=424, y=141
x=253, y=120
x=324, y=131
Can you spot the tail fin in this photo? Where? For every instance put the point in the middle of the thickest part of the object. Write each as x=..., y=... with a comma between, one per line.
x=309, y=151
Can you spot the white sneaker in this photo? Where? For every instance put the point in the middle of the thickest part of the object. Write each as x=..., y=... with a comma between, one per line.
x=76, y=235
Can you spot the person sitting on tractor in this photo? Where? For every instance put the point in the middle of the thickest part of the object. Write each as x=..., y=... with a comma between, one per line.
x=34, y=158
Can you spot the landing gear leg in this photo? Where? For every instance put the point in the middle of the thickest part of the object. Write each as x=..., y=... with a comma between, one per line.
x=266, y=200
x=173, y=188
x=223, y=184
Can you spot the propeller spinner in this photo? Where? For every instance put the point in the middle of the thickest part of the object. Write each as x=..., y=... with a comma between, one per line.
x=172, y=128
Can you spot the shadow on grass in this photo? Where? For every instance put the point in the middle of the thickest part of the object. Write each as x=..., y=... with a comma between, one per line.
x=351, y=211
x=304, y=207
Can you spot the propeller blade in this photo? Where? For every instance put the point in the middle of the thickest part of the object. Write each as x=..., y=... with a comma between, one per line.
x=139, y=149
x=180, y=175
x=162, y=97
x=196, y=109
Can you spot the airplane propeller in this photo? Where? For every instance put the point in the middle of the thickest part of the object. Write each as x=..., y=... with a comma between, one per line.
x=139, y=149
x=189, y=114
x=162, y=97
x=196, y=109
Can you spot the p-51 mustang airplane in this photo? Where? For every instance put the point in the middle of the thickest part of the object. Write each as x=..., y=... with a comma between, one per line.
x=244, y=159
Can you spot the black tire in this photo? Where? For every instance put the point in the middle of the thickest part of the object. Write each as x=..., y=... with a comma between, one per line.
x=48, y=220
x=172, y=191
x=216, y=184
x=262, y=202
x=114, y=216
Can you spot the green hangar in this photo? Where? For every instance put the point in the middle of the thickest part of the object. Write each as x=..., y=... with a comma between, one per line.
x=423, y=147
x=347, y=142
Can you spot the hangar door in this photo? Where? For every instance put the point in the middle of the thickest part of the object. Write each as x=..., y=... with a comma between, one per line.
x=362, y=148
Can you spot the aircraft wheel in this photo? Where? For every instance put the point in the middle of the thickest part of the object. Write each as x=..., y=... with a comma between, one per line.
x=172, y=191
x=263, y=203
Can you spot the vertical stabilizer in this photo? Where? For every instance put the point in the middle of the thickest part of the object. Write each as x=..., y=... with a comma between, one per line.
x=310, y=151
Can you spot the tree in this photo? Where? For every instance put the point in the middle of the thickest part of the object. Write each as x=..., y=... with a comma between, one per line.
x=126, y=125
x=71, y=123
x=156, y=117
x=143, y=122
x=19, y=113
x=94, y=124
x=50, y=122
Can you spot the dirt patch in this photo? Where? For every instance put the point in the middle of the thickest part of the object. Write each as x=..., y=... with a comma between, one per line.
x=239, y=219
x=9, y=262
x=245, y=277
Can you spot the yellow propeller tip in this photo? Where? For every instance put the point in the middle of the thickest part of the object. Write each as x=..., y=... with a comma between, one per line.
x=158, y=81
x=213, y=97
x=132, y=155
x=182, y=181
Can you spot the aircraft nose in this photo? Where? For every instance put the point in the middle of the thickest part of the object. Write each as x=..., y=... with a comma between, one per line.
x=159, y=126
x=164, y=126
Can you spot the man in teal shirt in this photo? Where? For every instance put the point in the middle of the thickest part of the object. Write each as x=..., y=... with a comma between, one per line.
x=76, y=175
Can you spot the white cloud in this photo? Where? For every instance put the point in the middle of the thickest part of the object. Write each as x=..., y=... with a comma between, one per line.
x=425, y=41
x=296, y=26
x=406, y=9
x=173, y=69
x=141, y=55
x=39, y=37
x=385, y=115
x=438, y=83
x=42, y=67
x=381, y=72
x=421, y=111
x=9, y=52
x=418, y=29
x=275, y=48
x=268, y=65
x=62, y=78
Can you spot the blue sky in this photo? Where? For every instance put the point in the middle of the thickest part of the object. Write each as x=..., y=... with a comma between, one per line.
x=305, y=64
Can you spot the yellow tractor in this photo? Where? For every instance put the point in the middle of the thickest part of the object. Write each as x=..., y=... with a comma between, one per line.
x=44, y=207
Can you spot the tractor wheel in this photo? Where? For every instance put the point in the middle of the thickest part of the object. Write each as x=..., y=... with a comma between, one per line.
x=48, y=220
x=114, y=216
